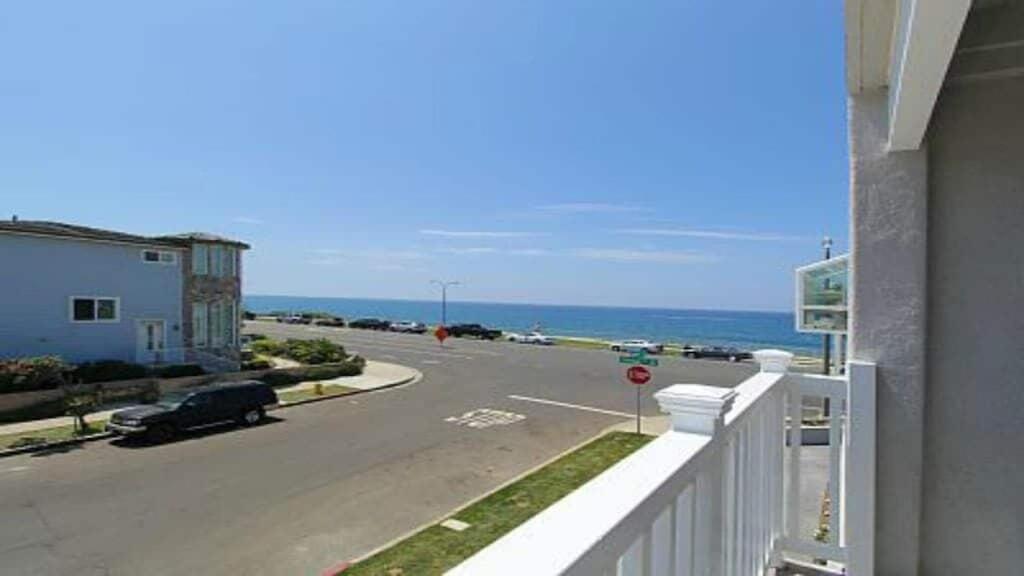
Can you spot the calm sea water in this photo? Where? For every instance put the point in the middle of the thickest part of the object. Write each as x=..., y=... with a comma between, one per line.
x=750, y=330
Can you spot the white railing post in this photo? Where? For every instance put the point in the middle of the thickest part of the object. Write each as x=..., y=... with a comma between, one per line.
x=858, y=497
x=698, y=409
x=778, y=362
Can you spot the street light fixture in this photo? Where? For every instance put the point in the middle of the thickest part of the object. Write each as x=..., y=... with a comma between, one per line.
x=444, y=284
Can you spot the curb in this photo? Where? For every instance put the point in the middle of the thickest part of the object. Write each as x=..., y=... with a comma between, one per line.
x=410, y=380
x=101, y=435
x=455, y=512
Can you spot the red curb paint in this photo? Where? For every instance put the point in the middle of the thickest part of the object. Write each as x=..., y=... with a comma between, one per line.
x=336, y=569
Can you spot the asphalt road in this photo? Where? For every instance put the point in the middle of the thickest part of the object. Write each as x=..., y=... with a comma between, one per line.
x=326, y=482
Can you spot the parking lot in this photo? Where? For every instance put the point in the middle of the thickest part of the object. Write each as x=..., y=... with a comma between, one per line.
x=327, y=482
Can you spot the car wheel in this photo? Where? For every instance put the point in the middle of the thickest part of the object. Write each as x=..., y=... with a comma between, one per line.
x=733, y=358
x=616, y=348
x=160, y=433
x=252, y=416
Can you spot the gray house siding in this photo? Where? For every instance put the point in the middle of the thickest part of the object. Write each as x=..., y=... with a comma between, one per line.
x=973, y=506
x=41, y=274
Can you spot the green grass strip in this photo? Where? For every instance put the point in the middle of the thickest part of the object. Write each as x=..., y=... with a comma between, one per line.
x=329, y=390
x=434, y=550
x=47, y=435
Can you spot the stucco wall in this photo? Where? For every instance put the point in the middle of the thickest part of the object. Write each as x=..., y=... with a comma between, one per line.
x=41, y=274
x=973, y=497
x=888, y=296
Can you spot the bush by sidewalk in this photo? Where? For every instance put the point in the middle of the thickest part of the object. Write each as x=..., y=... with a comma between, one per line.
x=312, y=352
x=287, y=377
x=28, y=374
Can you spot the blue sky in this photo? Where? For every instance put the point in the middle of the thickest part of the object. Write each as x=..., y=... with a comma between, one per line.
x=683, y=153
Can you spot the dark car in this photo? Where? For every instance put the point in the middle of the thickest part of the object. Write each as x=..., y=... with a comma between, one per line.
x=473, y=331
x=720, y=352
x=242, y=402
x=332, y=322
x=370, y=324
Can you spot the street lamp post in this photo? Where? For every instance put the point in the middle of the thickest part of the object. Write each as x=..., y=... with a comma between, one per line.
x=444, y=284
x=826, y=345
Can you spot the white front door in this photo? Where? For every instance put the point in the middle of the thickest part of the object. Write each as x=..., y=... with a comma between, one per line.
x=149, y=341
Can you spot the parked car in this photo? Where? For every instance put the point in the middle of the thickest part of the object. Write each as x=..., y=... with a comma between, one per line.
x=409, y=327
x=474, y=331
x=720, y=352
x=243, y=402
x=294, y=319
x=333, y=322
x=531, y=338
x=370, y=324
x=638, y=346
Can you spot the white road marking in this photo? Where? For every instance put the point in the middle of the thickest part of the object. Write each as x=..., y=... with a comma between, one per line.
x=430, y=361
x=389, y=356
x=358, y=346
x=573, y=406
x=17, y=469
x=485, y=418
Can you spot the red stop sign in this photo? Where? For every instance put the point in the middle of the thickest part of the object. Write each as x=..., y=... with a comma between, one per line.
x=441, y=333
x=638, y=375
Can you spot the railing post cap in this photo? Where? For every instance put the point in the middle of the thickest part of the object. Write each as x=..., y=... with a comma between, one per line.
x=773, y=360
x=695, y=407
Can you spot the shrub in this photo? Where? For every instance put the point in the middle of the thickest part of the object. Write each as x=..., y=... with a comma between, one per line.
x=108, y=371
x=319, y=351
x=291, y=376
x=27, y=374
x=268, y=347
x=179, y=371
x=256, y=364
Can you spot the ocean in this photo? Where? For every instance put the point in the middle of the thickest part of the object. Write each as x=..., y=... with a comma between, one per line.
x=747, y=330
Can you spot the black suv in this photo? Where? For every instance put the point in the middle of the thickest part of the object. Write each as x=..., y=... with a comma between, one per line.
x=243, y=402
x=720, y=352
x=370, y=324
x=473, y=330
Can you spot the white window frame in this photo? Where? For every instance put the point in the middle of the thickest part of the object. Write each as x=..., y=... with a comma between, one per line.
x=160, y=254
x=96, y=319
x=205, y=249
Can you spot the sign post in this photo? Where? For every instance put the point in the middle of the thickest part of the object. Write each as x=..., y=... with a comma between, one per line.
x=638, y=375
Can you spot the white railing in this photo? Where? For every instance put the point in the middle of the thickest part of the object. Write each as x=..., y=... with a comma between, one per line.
x=715, y=495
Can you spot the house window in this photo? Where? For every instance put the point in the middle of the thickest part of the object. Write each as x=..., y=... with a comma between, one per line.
x=95, y=309
x=222, y=317
x=200, y=324
x=200, y=259
x=159, y=257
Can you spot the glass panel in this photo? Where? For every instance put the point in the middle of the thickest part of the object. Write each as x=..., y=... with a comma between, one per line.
x=84, y=309
x=824, y=320
x=216, y=330
x=151, y=256
x=199, y=324
x=150, y=337
x=216, y=261
x=228, y=325
x=167, y=257
x=199, y=259
x=106, y=309
x=826, y=285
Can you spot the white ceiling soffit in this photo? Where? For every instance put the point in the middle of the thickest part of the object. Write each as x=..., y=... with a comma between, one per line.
x=926, y=36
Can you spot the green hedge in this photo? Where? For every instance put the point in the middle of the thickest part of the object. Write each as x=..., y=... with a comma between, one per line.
x=291, y=376
x=312, y=352
x=27, y=374
x=256, y=364
x=108, y=371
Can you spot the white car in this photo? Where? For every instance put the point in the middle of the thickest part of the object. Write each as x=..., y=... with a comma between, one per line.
x=638, y=346
x=531, y=338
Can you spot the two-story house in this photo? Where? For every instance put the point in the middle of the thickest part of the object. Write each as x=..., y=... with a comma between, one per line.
x=89, y=294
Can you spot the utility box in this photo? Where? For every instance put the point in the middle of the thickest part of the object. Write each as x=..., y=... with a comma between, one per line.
x=822, y=296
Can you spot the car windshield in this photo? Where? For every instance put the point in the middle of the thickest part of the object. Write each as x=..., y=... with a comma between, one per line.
x=173, y=400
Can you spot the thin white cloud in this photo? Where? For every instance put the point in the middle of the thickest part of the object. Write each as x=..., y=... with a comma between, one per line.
x=472, y=250
x=478, y=233
x=379, y=258
x=708, y=234
x=658, y=256
x=246, y=220
x=529, y=252
x=591, y=208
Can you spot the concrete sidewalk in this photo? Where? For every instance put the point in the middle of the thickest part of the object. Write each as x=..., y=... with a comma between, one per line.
x=375, y=375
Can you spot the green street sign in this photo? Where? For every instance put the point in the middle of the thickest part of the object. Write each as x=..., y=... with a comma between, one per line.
x=638, y=359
